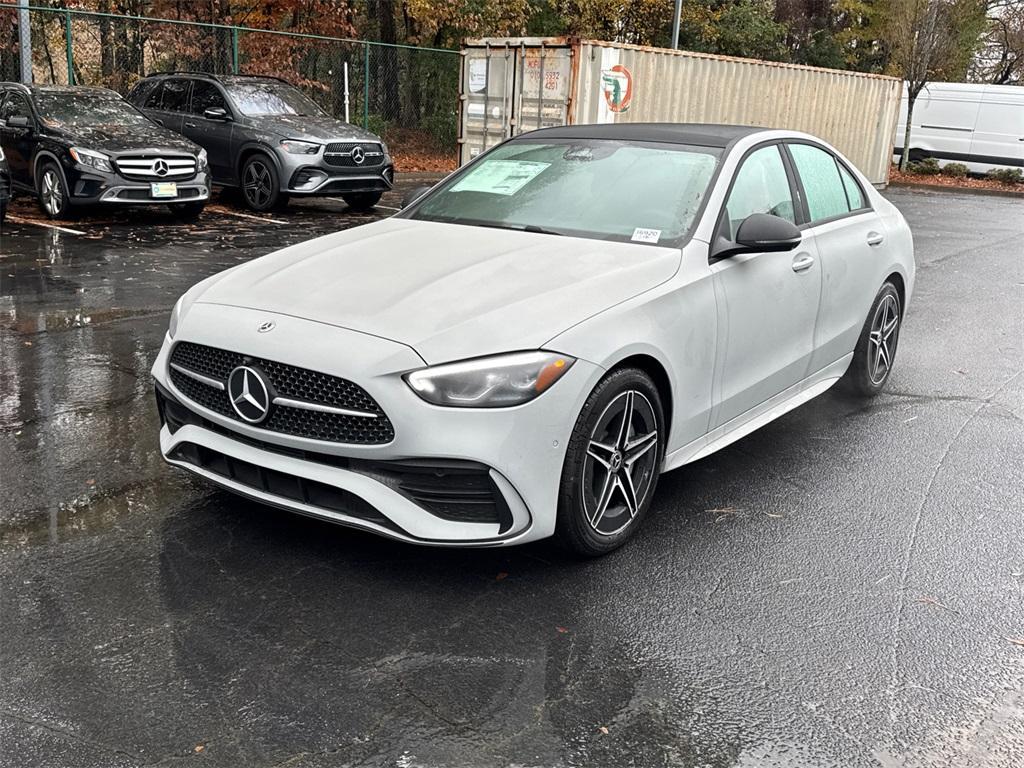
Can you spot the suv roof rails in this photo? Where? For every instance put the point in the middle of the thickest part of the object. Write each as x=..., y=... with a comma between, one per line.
x=11, y=84
x=213, y=76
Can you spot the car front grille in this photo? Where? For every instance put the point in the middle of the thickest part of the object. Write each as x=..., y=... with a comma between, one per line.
x=343, y=154
x=157, y=167
x=295, y=384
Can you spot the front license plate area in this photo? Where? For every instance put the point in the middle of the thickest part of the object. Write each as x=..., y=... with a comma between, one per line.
x=163, y=189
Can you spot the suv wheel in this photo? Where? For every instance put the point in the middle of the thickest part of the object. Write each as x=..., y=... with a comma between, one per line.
x=52, y=192
x=261, y=188
x=361, y=201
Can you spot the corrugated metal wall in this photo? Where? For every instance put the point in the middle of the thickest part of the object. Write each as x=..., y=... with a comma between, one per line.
x=854, y=112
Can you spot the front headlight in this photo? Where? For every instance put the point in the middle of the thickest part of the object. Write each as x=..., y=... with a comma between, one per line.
x=172, y=326
x=490, y=382
x=92, y=159
x=1, y=154
x=296, y=147
x=203, y=160
x=384, y=149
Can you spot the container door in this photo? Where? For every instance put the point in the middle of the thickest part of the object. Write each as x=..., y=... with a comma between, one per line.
x=511, y=89
x=487, y=95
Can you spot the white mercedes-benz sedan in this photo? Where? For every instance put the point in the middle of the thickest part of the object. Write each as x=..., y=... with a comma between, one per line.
x=525, y=347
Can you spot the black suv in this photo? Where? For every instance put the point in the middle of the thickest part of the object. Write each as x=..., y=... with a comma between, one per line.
x=75, y=145
x=265, y=136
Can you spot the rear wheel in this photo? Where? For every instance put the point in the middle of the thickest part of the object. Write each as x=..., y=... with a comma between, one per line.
x=361, y=201
x=261, y=188
x=187, y=211
x=53, y=192
x=612, y=464
x=875, y=352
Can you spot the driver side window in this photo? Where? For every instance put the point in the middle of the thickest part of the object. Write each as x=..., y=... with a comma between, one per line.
x=761, y=186
x=16, y=105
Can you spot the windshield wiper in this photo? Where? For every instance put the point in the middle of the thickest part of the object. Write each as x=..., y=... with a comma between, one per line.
x=539, y=230
x=493, y=225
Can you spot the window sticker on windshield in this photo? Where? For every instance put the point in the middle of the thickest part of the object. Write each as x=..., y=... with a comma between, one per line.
x=500, y=177
x=641, y=235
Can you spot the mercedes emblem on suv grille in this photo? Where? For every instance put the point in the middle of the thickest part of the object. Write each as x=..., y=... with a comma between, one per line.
x=160, y=168
x=358, y=155
x=249, y=394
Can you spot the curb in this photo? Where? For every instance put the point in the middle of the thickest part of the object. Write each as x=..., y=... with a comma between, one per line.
x=957, y=190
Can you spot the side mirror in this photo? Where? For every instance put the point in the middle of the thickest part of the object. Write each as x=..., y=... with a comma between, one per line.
x=759, y=233
x=216, y=113
x=19, y=121
x=415, y=194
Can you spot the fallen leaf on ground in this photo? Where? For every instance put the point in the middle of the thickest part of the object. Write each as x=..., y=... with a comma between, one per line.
x=603, y=730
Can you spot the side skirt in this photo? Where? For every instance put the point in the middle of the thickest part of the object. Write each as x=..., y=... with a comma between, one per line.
x=757, y=417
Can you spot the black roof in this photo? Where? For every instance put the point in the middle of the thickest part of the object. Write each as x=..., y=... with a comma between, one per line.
x=219, y=78
x=698, y=134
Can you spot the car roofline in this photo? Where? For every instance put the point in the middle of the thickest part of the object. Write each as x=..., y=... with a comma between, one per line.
x=211, y=76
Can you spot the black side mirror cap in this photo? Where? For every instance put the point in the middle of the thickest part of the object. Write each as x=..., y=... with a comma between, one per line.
x=415, y=194
x=216, y=113
x=759, y=233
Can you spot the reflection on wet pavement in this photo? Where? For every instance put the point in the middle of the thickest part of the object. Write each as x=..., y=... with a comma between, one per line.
x=842, y=588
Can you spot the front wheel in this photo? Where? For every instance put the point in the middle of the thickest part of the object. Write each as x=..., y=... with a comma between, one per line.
x=875, y=353
x=261, y=188
x=612, y=464
x=361, y=201
x=53, y=192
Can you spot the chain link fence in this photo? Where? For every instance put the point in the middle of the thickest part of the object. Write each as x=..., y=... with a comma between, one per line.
x=408, y=95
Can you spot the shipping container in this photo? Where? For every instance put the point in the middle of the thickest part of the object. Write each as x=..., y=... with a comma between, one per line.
x=513, y=85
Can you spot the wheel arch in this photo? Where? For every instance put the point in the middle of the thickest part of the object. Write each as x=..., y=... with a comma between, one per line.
x=901, y=287
x=255, y=148
x=654, y=368
x=43, y=156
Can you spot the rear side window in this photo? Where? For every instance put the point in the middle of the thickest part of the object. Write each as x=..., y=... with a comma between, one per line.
x=171, y=96
x=826, y=193
x=854, y=194
x=206, y=95
x=153, y=99
x=16, y=105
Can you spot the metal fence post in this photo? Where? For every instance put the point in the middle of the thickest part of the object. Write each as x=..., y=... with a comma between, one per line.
x=366, y=86
x=68, y=49
x=234, y=50
x=25, y=42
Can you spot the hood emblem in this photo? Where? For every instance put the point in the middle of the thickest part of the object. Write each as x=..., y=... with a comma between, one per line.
x=249, y=394
x=265, y=326
x=358, y=155
x=160, y=168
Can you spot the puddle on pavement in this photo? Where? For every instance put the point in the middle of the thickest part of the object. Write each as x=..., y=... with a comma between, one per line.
x=66, y=319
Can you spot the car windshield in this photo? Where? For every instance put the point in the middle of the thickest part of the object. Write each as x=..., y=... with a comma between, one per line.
x=610, y=190
x=85, y=108
x=270, y=98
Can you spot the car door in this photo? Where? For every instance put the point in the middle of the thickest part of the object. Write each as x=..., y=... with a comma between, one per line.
x=848, y=237
x=18, y=142
x=168, y=102
x=767, y=302
x=212, y=135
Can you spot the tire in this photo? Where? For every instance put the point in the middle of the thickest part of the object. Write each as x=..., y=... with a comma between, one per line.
x=187, y=211
x=596, y=511
x=261, y=187
x=872, y=363
x=361, y=201
x=52, y=192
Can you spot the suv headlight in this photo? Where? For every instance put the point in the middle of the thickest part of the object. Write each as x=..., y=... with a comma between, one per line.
x=203, y=160
x=490, y=382
x=297, y=147
x=92, y=159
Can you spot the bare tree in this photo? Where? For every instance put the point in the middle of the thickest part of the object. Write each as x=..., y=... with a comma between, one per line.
x=1001, y=57
x=927, y=41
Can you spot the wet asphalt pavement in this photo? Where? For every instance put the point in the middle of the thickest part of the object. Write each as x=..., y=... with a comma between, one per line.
x=843, y=588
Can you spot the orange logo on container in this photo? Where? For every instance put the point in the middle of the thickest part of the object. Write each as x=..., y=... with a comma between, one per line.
x=617, y=84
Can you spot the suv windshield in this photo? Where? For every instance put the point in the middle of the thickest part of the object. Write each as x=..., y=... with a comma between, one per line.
x=270, y=98
x=95, y=108
x=610, y=190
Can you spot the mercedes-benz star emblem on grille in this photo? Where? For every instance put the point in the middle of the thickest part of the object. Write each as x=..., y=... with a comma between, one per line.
x=358, y=155
x=249, y=394
x=160, y=168
x=266, y=325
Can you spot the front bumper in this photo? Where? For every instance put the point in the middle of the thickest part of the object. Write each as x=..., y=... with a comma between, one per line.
x=89, y=187
x=313, y=176
x=409, y=488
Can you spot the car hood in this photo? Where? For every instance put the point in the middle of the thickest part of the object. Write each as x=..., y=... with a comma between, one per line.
x=446, y=290
x=312, y=127
x=115, y=139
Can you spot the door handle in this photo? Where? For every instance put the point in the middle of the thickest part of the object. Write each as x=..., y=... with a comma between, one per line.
x=803, y=262
x=158, y=121
x=190, y=125
x=875, y=238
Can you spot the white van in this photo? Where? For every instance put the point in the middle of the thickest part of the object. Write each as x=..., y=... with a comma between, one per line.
x=981, y=126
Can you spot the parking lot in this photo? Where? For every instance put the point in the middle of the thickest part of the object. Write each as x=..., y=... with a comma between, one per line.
x=845, y=587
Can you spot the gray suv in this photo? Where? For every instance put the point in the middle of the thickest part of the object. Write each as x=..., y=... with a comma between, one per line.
x=268, y=138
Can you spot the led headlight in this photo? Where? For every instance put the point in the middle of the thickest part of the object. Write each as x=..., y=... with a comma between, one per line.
x=296, y=147
x=1, y=154
x=91, y=159
x=490, y=382
x=172, y=326
x=203, y=160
